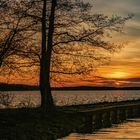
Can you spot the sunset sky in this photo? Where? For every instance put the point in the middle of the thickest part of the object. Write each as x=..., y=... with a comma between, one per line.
x=124, y=67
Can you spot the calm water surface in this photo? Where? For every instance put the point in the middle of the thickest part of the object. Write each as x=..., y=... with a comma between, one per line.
x=76, y=97
x=128, y=131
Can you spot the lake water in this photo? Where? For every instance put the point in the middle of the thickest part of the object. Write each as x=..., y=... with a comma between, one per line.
x=128, y=131
x=74, y=97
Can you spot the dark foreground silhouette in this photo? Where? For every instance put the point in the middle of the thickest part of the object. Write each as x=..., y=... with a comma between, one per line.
x=30, y=124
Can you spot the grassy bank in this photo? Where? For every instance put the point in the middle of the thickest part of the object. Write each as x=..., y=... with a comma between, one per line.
x=31, y=125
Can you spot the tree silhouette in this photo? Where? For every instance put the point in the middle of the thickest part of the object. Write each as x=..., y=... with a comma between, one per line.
x=16, y=33
x=73, y=39
x=66, y=33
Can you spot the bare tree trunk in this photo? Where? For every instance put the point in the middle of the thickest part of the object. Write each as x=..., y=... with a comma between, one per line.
x=42, y=60
x=47, y=104
x=50, y=102
x=46, y=98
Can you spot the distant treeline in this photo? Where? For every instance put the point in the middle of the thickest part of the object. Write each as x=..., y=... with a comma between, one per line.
x=16, y=87
x=20, y=87
x=96, y=88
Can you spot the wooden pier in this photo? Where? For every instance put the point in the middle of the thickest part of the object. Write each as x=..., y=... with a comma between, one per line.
x=103, y=117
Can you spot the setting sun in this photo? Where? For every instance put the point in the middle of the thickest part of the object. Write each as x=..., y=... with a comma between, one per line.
x=118, y=74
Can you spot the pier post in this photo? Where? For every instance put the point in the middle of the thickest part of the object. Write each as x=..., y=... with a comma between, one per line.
x=130, y=113
x=106, y=121
x=94, y=122
x=98, y=120
x=114, y=116
x=136, y=111
x=88, y=126
x=122, y=115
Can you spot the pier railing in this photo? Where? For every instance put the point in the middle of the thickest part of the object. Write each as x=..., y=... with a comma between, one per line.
x=103, y=117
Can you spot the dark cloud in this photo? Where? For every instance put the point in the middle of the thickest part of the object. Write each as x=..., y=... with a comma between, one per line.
x=134, y=31
x=133, y=79
x=113, y=81
x=122, y=8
